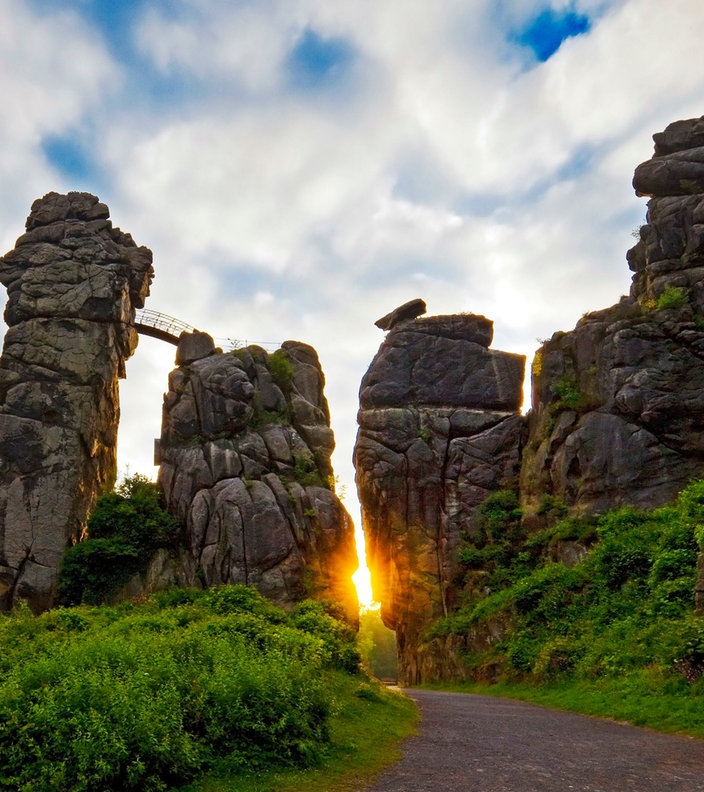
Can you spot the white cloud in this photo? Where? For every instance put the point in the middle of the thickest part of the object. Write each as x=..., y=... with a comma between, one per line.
x=438, y=168
x=238, y=44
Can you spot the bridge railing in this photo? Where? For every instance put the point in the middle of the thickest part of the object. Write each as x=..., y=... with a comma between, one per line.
x=167, y=328
x=168, y=325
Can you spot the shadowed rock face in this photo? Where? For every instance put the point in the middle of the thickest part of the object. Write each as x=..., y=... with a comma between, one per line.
x=439, y=430
x=245, y=466
x=618, y=403
x=73, y=285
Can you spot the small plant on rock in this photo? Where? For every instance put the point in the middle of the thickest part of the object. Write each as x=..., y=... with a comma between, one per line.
x=672, y=298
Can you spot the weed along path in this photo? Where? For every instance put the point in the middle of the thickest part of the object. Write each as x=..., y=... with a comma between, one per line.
x=469, y=743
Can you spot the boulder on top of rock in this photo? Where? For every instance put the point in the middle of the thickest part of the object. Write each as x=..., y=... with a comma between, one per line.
x=409, y=310
x=193, y=346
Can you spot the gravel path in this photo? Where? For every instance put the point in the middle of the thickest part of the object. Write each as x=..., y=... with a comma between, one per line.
x=469, y=743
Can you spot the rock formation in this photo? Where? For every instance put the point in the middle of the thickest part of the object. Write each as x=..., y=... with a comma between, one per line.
x=409, y=310
x=73, y=284
x=439, y=429
x=618, y=403
x=617, y=414
x=245, y=466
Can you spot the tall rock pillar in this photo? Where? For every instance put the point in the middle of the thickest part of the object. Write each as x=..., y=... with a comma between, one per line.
x=618, y=403
x=245, y=466
x=73, y=285
x=439, y=430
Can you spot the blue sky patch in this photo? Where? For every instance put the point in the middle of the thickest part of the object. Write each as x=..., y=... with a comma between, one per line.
x=545, y=32
x=67, y=155
x=116, y=21
x=317, y=61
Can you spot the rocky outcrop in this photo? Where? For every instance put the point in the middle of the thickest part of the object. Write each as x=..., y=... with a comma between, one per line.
x=618, y=403
x=617, y=416
x=245, y=466
x=439, y=429
x=73, y=285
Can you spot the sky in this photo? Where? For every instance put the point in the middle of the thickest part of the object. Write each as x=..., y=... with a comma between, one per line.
x=301, y=167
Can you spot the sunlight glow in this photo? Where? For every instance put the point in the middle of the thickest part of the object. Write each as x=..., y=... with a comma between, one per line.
x=362, y=577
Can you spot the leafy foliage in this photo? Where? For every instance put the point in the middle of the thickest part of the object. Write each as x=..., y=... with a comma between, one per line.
x=627, y=605
x=567, y=395
x=149, y=696
x=125, y=528
x=673, y=297
x=281, y=369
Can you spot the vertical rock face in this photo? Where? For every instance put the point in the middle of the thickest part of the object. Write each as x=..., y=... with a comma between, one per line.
x=73, y=284
x=439, y=430
x=618, y=403
x=245, y=466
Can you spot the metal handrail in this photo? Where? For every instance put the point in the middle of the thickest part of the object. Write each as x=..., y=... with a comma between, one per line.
x=167, y=328
x=159, y=321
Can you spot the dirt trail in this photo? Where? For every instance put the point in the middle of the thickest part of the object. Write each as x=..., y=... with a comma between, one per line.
x=469, y=743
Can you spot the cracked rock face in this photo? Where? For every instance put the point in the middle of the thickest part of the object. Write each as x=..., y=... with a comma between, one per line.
x=245, y=466
x=73, y=285
x=618, y=403
x=439, y=430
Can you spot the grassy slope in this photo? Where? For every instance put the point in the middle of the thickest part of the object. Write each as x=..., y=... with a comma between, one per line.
x=366, y=734
x=613, y=635
x=152, y=696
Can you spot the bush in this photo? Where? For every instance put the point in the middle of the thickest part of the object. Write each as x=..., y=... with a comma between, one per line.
x=125, y=528
x=93, y=569
x=557, y=657
x=673, y=297
x=281, y=369
x=377, y=645
x=627, y=607
x=147, y=697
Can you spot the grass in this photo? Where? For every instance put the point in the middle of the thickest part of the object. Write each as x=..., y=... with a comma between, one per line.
x=366, y=733
x=643, y=698
x=613, y=634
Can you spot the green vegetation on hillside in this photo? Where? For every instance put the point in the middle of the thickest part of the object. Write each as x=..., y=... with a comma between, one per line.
x=593, y=601
x=150, y=696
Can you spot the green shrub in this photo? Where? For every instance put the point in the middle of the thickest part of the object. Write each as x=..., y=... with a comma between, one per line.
x=125, y=528
x=91, y=570
x=148, y=697
x=673, y=297
x=689, y=658
x=522, y=650
x=281, y=369
x=323, y=620
x=626, y=608
x=557, y=657
x=377, y=645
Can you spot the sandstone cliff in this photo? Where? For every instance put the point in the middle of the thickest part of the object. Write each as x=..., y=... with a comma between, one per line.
x=618, y=403
x=73, y=285
x=617, y=415
x=245, y=466
x=439, y=429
